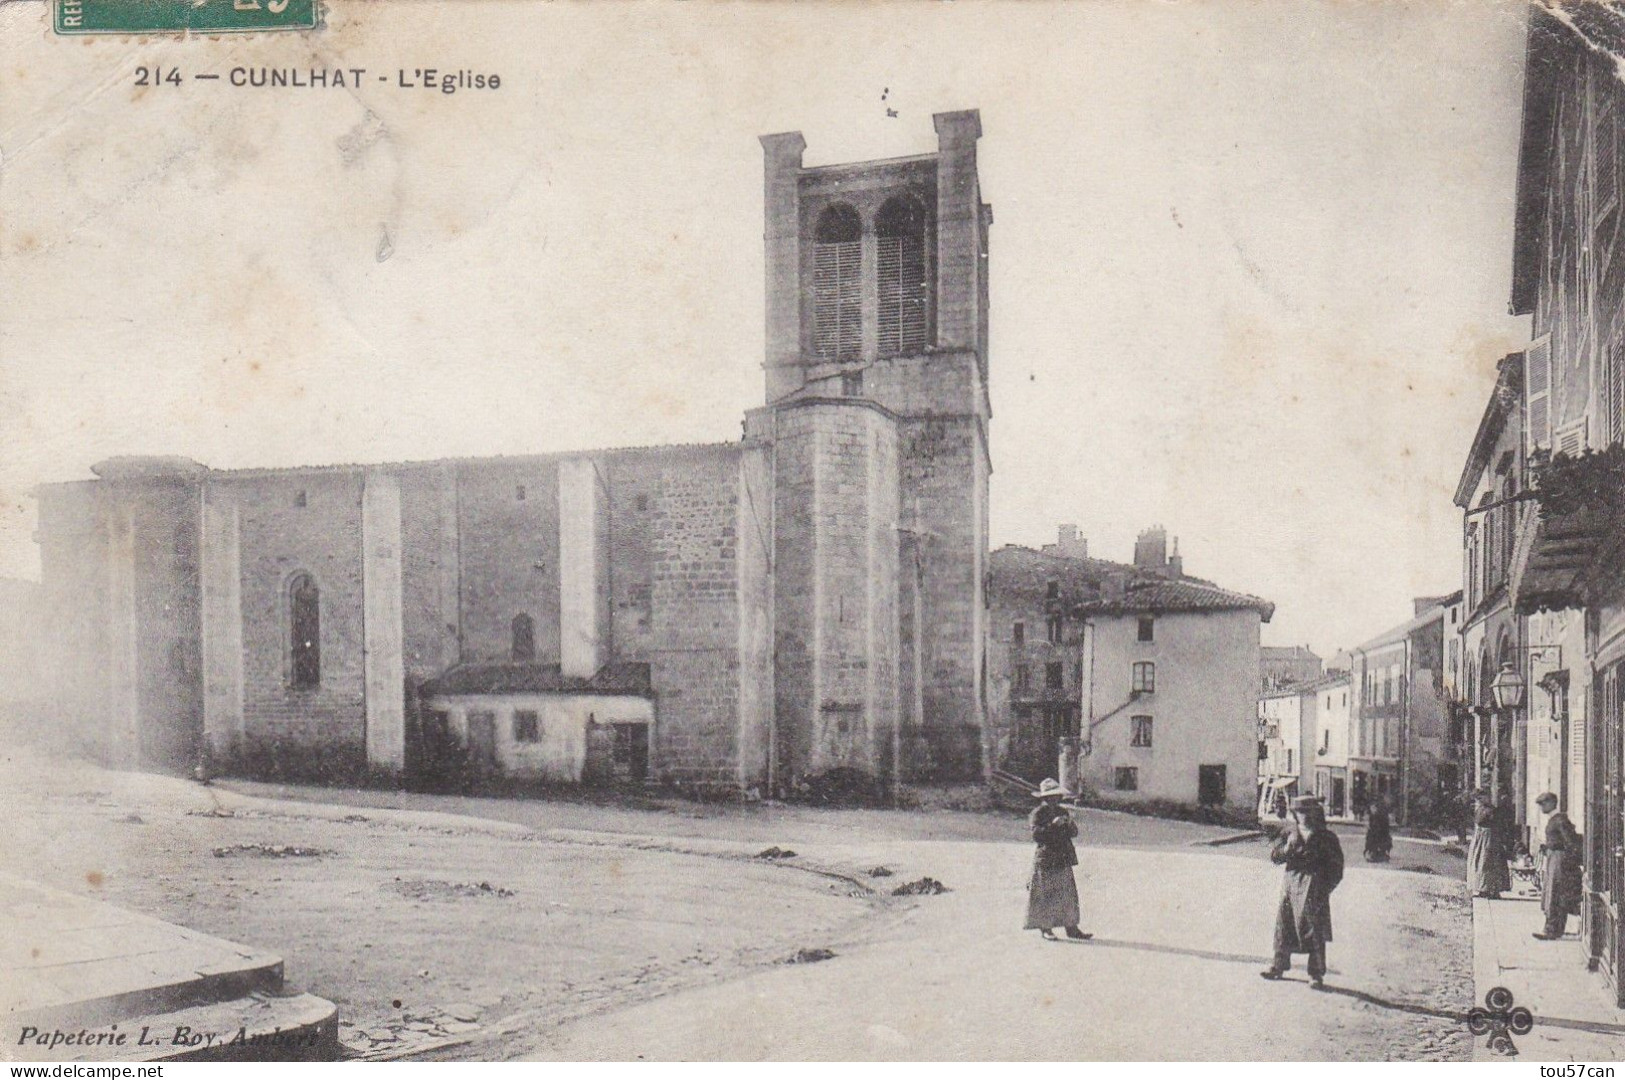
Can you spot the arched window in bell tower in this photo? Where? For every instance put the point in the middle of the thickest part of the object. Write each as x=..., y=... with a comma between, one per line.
x=903, y=287
x=838, y=284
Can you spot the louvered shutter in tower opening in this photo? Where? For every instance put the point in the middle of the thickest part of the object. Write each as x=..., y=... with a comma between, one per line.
x=903, y=293
x=1537, y=391
x=1615, y=357
x=838, y=302
x=1607, y=161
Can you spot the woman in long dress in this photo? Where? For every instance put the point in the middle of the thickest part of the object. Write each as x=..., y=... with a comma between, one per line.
x=1052, y=895
x=1560, y=876
x=1312, y=859
x=1487, y=873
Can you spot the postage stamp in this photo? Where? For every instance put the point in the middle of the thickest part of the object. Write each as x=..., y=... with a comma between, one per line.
x=182, y=16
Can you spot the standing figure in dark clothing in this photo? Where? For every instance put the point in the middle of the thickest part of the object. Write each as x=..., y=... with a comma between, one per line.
x=1379, y=838
x=1507, y=824
x=1487, y=873
x=1313, y=861
x=1052, y=896
x=1560, y=869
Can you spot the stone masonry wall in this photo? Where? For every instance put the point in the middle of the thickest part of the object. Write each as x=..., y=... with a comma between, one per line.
x=633, y=477
x=508, y=529
x=279, y=538
x=694, y=650
x=944, y=493
x=429, y=571
x=837, y=616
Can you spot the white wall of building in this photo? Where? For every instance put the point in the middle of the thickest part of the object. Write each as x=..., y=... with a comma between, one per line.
x=1203, y=710
x=559, y=752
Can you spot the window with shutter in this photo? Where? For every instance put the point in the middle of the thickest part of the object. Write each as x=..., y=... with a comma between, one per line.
x=838, y=284
x=1616, y=383
x=1571, y=439
x=1537, y=394
x=1607, y=162
x=902, y=285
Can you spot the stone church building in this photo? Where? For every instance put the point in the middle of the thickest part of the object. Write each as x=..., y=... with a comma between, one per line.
x=729, y=616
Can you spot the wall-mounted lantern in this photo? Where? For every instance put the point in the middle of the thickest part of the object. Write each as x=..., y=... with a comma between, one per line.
x=1508, y=687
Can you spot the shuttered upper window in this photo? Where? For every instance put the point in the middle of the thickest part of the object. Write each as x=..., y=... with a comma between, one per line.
x=1537, y=394
x=838, y=284
x=1615, y=373
x=903, y=285
x=1607, y=158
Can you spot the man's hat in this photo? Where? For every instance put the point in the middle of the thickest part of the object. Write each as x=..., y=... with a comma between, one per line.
x=1546, y=796
x=1306, y=802
x=1049, y=789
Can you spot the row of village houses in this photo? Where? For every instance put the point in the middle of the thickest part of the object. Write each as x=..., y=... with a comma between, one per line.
x=1375, y=726
x=1513, y=684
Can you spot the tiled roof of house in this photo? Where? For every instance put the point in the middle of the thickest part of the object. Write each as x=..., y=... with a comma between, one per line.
x=534, y=678
x=1313, y=686
x=1287, y=652
x=1098, y=586
x=1156, y=595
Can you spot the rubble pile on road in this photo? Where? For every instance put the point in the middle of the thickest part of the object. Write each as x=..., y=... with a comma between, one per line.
x=424, y=889
x=926, y=886
x=270, y=851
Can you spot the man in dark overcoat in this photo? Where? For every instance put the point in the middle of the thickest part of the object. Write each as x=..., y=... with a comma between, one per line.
x=1312, y=859
x=1379, y=835
x=1560, y=872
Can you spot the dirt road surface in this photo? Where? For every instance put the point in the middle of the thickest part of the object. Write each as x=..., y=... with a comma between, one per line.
x=571, y=930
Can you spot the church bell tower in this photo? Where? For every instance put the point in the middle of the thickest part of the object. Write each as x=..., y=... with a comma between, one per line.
x=877, y=409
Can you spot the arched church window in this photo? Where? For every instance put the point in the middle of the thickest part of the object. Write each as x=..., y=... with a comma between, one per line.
x=305, y=623
x=903, y=288
x=524, y=637
x=837, y=284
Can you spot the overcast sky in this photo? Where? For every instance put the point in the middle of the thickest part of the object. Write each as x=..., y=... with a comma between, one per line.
x=1250, y=261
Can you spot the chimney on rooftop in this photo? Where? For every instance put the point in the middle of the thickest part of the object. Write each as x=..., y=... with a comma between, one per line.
x=1070, y=544
x=1176, y=564
x=1151, y=550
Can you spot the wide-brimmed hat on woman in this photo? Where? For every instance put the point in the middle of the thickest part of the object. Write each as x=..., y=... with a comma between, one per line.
x=1049, y=789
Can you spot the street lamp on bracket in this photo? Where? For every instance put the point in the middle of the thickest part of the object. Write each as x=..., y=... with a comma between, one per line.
x=1509, y=687
x=1510, y=691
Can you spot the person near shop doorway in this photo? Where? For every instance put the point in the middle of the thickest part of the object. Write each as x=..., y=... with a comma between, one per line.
x=1487, y=873
x=1560, y=869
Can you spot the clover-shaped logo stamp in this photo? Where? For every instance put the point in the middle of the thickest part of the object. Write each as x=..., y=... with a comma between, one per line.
x=1500, y=1020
